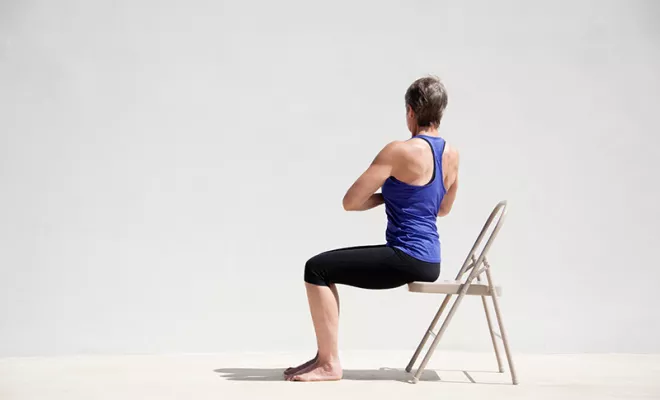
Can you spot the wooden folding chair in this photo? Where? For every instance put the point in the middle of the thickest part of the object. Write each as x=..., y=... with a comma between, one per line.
x=462, y=286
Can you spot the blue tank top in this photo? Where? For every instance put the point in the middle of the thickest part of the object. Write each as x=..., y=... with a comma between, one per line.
x=412, y=210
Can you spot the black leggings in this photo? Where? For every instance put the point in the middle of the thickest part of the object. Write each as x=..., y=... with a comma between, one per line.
x=369, y=267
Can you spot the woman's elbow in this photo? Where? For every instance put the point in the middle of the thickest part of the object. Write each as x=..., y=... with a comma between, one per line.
x=444, y=211
x=348, y=205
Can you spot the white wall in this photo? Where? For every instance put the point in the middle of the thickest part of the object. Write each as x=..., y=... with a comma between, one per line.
x=166, y=168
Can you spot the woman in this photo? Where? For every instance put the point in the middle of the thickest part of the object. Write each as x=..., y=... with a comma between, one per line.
x=419, y=179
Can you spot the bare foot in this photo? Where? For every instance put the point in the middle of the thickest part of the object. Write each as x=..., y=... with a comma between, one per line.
x=328, y=371
x=295, y=370
x=289, y=377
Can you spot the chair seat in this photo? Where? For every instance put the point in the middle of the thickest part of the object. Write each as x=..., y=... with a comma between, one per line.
x=452, y=287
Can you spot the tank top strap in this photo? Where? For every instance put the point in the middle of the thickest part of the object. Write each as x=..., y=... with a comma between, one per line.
x=438, y=147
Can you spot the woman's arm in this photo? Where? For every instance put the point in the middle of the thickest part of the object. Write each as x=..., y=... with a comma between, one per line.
x=373, y=201
x=450, y=196
x=448, y=200
x=362, y=194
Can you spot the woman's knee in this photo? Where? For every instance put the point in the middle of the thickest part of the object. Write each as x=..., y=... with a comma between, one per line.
x=315, y=271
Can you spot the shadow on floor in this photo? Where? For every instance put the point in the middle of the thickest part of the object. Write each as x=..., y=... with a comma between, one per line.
x=381, y=374
x=275, y=374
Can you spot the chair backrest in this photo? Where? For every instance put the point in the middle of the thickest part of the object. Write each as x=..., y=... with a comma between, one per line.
x=479, y=264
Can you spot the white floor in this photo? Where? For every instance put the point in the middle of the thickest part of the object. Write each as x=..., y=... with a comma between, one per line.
x=367, y=374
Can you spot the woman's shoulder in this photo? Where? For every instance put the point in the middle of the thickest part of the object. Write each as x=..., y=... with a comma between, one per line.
x=451, y=154
x=411, y=153
x=408, y=151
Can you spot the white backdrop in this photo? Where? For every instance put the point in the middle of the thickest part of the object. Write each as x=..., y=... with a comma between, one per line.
x=167, y=167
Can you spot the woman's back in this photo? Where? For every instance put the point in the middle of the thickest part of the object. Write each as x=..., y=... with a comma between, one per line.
x=413, y=195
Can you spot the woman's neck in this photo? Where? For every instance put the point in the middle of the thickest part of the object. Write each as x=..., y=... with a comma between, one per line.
x=427, y=131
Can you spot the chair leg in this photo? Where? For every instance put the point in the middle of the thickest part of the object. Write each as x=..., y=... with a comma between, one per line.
x=492, y=333
x=505, y=340
x=428, y=333
x=435, y=342
x=493, y=339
